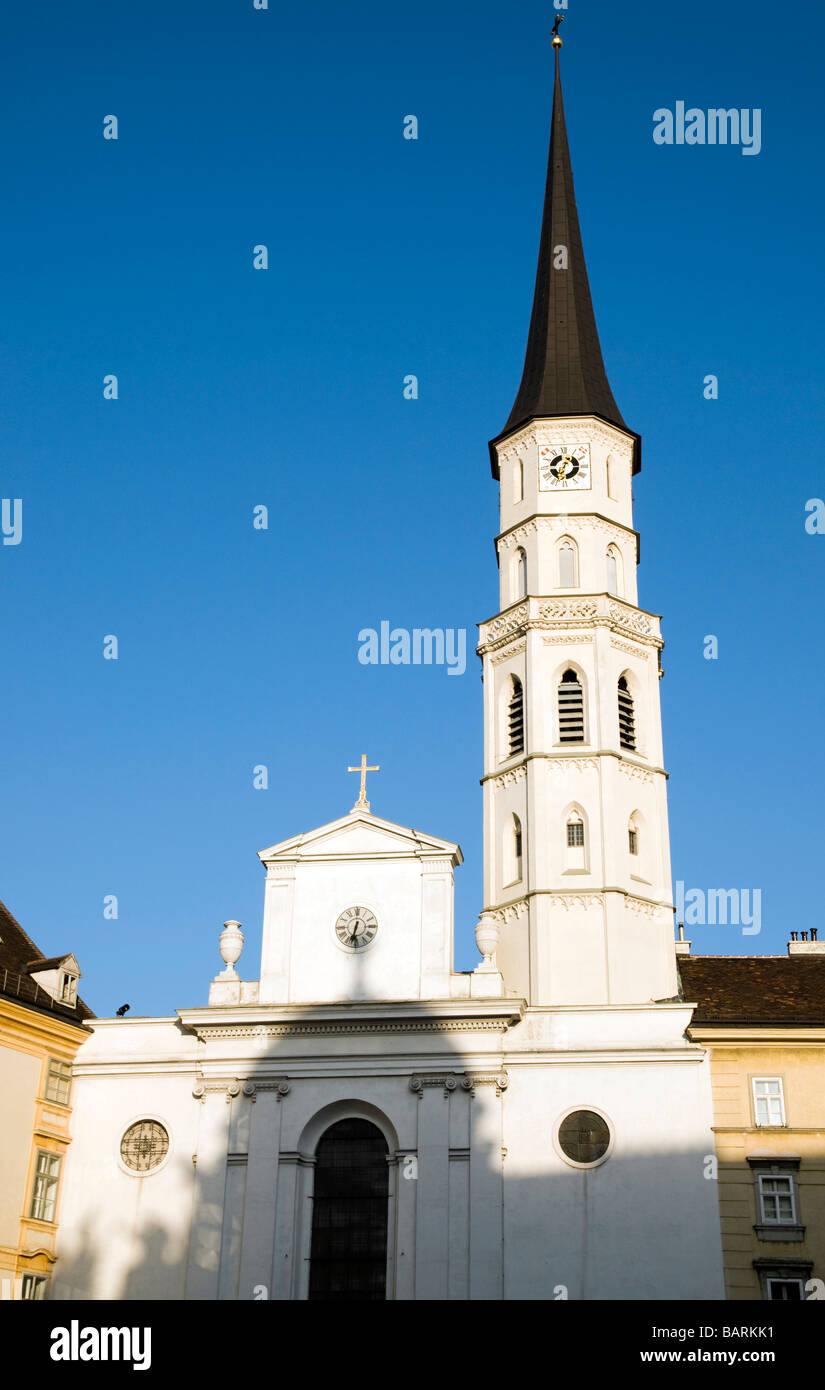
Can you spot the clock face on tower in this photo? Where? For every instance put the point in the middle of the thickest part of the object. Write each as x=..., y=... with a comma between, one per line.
x=564, y=466
x=356, y=928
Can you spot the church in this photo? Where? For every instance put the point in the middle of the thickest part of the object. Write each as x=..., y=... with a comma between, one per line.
x=362, y=1121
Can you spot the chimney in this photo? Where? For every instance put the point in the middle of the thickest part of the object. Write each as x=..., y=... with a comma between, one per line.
x=804, y=943
x=682, y=946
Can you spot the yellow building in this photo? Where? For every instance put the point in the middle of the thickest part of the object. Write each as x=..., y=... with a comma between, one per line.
x=41, y=1029
x=763, y=1020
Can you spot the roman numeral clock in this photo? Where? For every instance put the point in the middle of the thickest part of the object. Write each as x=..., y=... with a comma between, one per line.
x=564, y=466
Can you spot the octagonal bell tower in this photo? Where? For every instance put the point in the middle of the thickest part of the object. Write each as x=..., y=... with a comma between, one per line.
x=576, y=847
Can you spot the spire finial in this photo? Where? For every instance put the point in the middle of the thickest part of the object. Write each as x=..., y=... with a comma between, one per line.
x=557, y=39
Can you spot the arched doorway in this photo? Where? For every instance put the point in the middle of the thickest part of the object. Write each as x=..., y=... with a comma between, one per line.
x=348, y=1255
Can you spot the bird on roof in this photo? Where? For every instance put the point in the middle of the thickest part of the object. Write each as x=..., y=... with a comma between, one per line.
x=124, y=1009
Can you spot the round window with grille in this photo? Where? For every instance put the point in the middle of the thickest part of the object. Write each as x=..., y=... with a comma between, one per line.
x=144, y=1146
x=584, y=1137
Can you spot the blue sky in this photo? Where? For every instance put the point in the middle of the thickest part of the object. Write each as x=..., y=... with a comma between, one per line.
x=238, y=647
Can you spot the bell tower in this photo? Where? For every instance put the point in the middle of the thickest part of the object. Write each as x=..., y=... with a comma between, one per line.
x=576, y=848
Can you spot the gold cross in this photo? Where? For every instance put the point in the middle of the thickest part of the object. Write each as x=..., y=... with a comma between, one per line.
x=362, y=804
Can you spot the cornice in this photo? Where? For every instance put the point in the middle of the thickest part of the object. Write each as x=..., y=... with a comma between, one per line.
x=426, y=1016
x=584, y=760
x=758, y=1035
x=584, y=611
x=567, y=430
x=563, y=523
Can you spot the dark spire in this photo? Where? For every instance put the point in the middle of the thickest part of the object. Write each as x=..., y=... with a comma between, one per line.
x=563, y=367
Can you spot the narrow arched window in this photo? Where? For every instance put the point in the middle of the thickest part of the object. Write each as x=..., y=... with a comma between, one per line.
x=571, y=709
x=515, y=718
x=518, y=481
x=614, y=570
x=627, y=717
x=612, y=479
x=575, y=842
x=633, y=837
x=517, y=847
x=568, y=565
x=521, y=574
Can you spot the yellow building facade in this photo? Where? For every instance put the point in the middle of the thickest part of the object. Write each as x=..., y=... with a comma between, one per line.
x=41, y=1029
x=763, y=1020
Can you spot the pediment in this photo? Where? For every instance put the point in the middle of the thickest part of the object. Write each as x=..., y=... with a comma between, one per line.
x=360, y=835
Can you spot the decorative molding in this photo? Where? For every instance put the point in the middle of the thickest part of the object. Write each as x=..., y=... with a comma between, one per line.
x=231, y=1089
x=568, y=640
x=281, y=868
x=448, y=1083
x=509, y=913
x=565, y=523
x=571, y=902
x=288, y=1030
x=640, y=907
x=561, y=765
x=570, y=431
x=499, y=1079
x=509, y=652
x=468, y=1082
x=511, y=621
x=510, y=777
x=566, y=608
x=626, y=616
x=631, y=648
x=633, y=772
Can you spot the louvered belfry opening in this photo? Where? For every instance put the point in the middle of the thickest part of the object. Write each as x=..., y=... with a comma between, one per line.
x=627, y=721
x=515, y=718
x=348, y=1255
x=571, y=709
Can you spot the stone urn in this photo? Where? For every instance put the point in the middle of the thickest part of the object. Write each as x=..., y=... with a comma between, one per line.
x=487, y=935
x=231, y=947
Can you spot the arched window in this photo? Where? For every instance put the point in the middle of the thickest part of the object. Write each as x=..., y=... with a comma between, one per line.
x=633, y=836
x=614, y=570
x=571, y=709
x=612, y=478
x=520, y=572
x=575, y=841
x=568, y=564
x=348, y=1254
x=518, y=481
x=515, y=718
x=512, y=864
x=627, y=717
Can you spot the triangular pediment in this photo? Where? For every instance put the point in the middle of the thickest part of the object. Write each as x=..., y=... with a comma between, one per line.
x=361, y=835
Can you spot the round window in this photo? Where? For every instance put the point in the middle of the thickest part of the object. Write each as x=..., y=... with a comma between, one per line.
x=144, y=1146
x=584, y=1137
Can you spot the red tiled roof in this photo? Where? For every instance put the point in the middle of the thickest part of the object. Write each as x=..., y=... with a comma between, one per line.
x=755, y=989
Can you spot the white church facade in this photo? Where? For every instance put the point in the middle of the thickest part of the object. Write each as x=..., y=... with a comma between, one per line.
x=364, y=1122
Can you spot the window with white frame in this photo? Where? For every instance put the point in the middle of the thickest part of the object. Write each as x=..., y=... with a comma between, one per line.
x=44, y=1192
x=782, y=1290
x=518, y=481
x=768, y=1100
x=59, y=1081
x=34, y=1286
x=777, y=1200
x=68, y=987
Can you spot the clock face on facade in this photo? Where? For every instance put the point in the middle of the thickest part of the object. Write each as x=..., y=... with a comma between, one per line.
x=356, y=928
x=564, y=466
